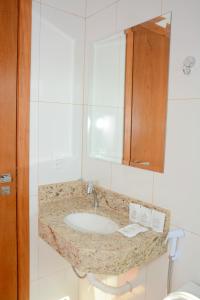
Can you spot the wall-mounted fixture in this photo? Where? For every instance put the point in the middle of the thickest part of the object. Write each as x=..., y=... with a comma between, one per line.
x=188, y=64
x=174, y=237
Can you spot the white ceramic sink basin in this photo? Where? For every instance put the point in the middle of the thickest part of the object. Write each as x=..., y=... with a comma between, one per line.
x=89, y=222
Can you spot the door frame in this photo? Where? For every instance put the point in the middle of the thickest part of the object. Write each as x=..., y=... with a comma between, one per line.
x=23, y=111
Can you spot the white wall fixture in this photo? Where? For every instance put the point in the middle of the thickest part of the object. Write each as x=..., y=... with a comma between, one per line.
x=188, y=64
x=173, y=236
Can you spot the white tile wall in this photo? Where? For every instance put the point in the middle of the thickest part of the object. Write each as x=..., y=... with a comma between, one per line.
x=101, y=25
x=61, y=56
x=33, y=186
x=184, y=42
x=35, y=50
x=132, y=182
x=60, y=137
x=55, y=129
x=187, y=266
x=34, y=290
x=97, y=170
x=48, y=254
x=94, y=6
x=58, y=285
x=133, y=12
x=156, y=278
x=33, y=238
x=71, y=6
x=178, y=188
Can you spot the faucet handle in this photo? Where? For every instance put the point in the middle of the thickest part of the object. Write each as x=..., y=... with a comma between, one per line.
x=90, y=187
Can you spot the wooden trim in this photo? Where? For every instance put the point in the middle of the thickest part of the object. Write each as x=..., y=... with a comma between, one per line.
x=151, y=25
x=23, y=106
x=150, y=83
x=155, y=28
x=128, y=98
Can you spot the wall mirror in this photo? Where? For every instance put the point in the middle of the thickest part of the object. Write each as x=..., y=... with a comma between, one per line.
x=127, y=95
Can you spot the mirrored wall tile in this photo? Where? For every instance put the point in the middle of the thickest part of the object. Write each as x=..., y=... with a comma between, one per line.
x=60, y=142
x=133, y=12
x=178, y=188
x=106, y=71
x=105, y=133
x=71, y=6
x=61, y=57
x=184, y=42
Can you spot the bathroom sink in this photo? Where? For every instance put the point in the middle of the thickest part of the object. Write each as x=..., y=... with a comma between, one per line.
x=89, y=222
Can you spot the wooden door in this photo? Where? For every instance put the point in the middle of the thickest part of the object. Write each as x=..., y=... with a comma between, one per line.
x=149, y=104
x=8, y=104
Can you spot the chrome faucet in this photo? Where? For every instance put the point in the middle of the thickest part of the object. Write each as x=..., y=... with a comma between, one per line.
x=91, y=190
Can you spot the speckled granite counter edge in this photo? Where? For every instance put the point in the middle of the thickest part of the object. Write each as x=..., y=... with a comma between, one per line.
x=80, y=257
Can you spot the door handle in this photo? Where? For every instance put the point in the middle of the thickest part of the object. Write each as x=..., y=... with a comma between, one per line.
x=143, y=163
x=5, y=190
x=5, y=178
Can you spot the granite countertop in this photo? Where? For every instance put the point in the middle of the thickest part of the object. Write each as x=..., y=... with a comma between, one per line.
x=96, y=253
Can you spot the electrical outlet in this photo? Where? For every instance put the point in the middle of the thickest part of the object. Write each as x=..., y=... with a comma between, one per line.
x=59, y=163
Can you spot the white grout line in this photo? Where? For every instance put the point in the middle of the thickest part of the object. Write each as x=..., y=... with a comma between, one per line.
x=59, y=102
x=62, y=10
x=103, y=106
x=83, y=106
x=184, y=99
x=102, y=9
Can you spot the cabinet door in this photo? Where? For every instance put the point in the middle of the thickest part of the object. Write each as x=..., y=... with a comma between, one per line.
x=149, y=102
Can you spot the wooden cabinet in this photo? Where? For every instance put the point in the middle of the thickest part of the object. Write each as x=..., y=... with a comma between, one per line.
x=146, y=85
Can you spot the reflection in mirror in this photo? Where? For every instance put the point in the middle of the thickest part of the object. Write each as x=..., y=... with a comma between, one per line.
x=106, y=98
x=128, y=79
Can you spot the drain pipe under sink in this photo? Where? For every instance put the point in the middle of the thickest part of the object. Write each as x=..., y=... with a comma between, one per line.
x=116, y=291
x=108, y=289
